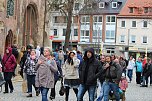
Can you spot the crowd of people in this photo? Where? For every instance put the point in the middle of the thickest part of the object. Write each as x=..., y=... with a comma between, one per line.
x=42, y=68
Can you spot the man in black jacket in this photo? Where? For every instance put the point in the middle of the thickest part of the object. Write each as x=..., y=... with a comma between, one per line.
x=90, y=69
x=147, y=72
x=112, y=78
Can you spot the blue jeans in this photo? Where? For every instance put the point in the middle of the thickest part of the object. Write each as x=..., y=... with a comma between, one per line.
x=44, y=92
x=83, y=89
x=129, y=74
x=110, y=86
x=100, y=97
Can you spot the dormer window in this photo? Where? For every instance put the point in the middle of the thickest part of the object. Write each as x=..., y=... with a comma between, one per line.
x=114, y=4
x=146, y=10
x=101, y=5
x=131, y=10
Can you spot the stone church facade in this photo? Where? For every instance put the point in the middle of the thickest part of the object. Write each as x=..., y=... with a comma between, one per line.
x=21, y=23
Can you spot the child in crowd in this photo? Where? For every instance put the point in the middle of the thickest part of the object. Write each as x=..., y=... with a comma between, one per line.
x=123, y=84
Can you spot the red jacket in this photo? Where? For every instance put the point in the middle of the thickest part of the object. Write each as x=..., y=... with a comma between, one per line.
x=123, y=84
x=11, y=62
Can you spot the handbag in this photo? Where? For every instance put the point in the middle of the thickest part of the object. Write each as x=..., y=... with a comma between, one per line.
x=62, y=89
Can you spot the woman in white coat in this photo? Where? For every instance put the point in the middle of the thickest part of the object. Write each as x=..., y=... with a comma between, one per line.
x=71, y=75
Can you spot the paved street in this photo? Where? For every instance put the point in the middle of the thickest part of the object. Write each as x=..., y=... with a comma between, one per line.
x=134, y=93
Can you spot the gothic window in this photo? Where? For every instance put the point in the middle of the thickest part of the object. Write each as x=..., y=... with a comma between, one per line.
x=10, y=7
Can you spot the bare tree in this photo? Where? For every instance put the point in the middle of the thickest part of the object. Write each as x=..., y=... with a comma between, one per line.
x=65, y=7
x=68, y=31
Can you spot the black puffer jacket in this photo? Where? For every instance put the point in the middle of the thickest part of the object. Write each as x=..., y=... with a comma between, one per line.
x=90, y=69
x=147, y=70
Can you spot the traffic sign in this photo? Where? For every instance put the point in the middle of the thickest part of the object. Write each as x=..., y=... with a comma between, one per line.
x=51, y=37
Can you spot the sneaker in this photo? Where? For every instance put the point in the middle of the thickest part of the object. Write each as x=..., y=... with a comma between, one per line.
x=29, y=95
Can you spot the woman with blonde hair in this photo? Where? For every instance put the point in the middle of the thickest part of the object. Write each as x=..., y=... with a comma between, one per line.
x=46, y=67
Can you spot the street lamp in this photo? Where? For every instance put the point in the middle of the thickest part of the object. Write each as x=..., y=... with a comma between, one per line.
x=127, y=47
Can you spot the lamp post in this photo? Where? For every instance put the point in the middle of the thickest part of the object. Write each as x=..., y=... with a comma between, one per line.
x=45, y=12
x=126, y=53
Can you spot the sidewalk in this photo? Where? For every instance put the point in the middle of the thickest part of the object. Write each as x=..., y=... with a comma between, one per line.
x=133, y=93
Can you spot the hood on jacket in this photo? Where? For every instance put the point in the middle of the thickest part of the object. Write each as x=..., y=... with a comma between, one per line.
x=42, y=58
x=89, y=50
x=10, y=50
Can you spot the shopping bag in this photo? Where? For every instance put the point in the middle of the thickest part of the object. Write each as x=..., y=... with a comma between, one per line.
x=24, y=86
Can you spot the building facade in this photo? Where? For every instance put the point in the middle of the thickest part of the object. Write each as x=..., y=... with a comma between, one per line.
x=134, y=25
x=21, y=22
x=58, y=25
x=97, y=27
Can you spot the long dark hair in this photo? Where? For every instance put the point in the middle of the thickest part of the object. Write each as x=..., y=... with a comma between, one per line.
x=69, y=59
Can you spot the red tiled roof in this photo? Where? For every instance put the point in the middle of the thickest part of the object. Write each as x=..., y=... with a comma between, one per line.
x=138, y=6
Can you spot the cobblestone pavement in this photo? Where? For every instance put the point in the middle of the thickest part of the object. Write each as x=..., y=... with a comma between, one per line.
x=133, y=93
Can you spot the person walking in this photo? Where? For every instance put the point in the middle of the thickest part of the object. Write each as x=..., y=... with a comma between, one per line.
x=130, y=67
x=139, y=70
x=101, y=79
x=29, y=69
x=26, y=54
x=70, y=74
x=147, y=72
x=9, y=63
x=122, y=64
x=61, y=57
x=123, y=84
x=46, y=67
x=57, y=75
x=89, y=70
x=112, y=78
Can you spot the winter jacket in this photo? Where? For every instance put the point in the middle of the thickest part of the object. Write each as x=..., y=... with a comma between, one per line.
x=29, y=67
x=122, y=64
x=123, y=84
x=10, y=64
x=45, y=73
x=90, y=69
x=15, y=52
x=113, y=72
x=71, y=71
x=131, y=64
x=147, y=69
x=26, y=54
x=79, y=57
x=139, y=67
